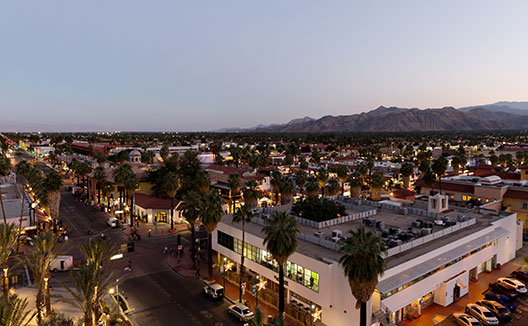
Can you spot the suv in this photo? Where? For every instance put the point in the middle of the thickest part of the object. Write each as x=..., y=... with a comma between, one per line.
x=215, y=291
x=241, y=312
x=521, y=275
x=466, y=320
x=518, y=285
x=500, y=311
x=502, y=299
x=504, y=289
x=482, y=313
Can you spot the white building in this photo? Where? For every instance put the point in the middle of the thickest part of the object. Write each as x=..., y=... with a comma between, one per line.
x=433, y=267
x=14, y=206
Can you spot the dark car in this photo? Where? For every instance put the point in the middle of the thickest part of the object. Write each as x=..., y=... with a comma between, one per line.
x=521, y=276
x=504, y=289
x=500, y=311
x=502, y=299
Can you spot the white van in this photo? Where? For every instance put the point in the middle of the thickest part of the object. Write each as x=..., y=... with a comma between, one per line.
x=112, y=222
x=61, y=263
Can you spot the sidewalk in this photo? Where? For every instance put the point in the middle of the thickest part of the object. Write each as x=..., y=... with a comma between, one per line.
x=183, y=266
x=158, y=230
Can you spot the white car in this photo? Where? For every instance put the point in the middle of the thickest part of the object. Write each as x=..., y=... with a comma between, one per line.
x=518, y=285
x=241, y=312
x=485, y=316
x=215, y=291
x=466, y=320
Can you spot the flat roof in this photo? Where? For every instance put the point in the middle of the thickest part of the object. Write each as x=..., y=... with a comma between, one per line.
x=12, y=201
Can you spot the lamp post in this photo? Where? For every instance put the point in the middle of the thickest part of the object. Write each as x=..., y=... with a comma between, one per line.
x=261, y=285
x=311, y=313
x=117, y=291
x=224, y=272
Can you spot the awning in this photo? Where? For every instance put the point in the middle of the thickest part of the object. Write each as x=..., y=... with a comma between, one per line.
x=461, y=283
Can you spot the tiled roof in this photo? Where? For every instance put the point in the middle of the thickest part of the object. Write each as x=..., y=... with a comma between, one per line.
x=147, y=202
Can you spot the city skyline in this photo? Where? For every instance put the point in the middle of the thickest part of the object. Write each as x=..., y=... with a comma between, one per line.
x=191, y=67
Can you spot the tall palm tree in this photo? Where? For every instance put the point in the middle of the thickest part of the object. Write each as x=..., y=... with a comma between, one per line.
x=46, y=248
x=53, y=184
x=242, y=215
x=131, y=184
x=355, y=181
x=169, y=184
x=322, y=178
x=312, y=187
x=281, y=241
x=300, y=179
x=192, y=205
x=251, y=194
x=439, y=167
x=99, y=176
x=8, y=240
x=211, y=216
x=342, y=175
x=121, y=175
x=376, y=183
x=14, y=312
x=23, y=168
x=363, y=263
x=406, y=171
x=333, y=187
x=287, y=190
x=233, y=182
x=5, y=169
x=276, y=178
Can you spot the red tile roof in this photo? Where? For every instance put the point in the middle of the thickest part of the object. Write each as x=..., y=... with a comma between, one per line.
x=147, y=202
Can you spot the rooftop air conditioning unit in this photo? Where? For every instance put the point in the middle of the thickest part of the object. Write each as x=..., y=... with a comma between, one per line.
x=337, y=234
x=319, y=234
x=426, y=231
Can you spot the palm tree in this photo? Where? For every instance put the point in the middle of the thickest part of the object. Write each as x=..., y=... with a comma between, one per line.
x=460, y=161
x=275, y=181
x=121, y=175
x=191, y=210
x=107, y=188
x=281, y=241
x=355, y=182
x=406, y=171
x=169, y=184
x=23, y=168
x=8, y=240
x=53, y=185
x=287, y=190
x=243, y=214
x=376, y=183
x=322, y=178
x=233, y=182
x=342, y=175
x=211, y=216
x=5, y=169
x=363, y=263
x=312, y=187
x=131, y=184
x=14, y=312
x=439, y=167
x=333, y=187
x=251, y=194
x=164, y=152
x=46, y=248
x=99, y=176
x=300, y=179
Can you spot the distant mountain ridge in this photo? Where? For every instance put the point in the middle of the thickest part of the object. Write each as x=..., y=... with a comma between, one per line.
x=498, y=116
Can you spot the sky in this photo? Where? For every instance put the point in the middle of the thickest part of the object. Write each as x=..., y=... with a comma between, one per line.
x=204, y=65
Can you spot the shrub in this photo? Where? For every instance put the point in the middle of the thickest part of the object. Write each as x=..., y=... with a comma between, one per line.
x=318, y=209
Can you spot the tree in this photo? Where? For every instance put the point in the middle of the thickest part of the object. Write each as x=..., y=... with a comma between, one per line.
x=300, y=179
x=439, y=167
x=211, y=216
x=14, y=312
x=99, y=176
x=281, y=241
x=457, y=162
x=251, y=194
x=242, y=215
x=192, y=205
x=53, y=185
x=376, y=183
x=287, y=190
x=8, y=240
x=164, y=152
x=147, y=157
x=363, y=264
x=333, y=187
x=276, y=178
x=121, y=176
x=312, y=187
x=322, y=178
x=46, y=248
x=5, y=169
x=169, y=185
x=215, y=148
x=131, y=184
x=342, y=175
x=355, y=182
x=233, y=182
x=191, y=175
x=23, y=168
x=406, y=171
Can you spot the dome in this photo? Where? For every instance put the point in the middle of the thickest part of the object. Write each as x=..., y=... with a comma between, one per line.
x=135, y=153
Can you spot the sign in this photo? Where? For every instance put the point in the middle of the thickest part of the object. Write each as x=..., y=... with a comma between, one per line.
x=116, y=256
x=119, y=212
x=254, y=290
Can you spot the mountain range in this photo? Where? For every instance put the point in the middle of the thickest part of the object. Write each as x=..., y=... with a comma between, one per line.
x=497, y=116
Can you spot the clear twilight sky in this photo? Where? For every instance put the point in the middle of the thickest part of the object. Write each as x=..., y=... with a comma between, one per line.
x=203, y=65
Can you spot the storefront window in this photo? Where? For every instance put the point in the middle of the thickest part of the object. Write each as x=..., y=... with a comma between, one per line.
x=294, y=272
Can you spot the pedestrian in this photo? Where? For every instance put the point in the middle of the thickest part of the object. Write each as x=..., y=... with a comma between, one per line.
x=165, y=250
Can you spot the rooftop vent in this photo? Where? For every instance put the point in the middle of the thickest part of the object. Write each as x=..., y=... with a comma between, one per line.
x=438, y=203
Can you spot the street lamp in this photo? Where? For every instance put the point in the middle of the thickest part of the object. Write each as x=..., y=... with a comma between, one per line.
x=261, y=285
x=227, y=267
x=224, y=271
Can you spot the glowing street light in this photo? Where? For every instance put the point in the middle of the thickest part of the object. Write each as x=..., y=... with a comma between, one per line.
x=261, y=285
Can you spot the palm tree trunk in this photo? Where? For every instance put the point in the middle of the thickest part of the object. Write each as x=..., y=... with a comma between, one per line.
x=342, y=188
x=38, y=304
x=193, y=251
x=132, y=210
x=242, y=259
x=21, y=214
x=2, y=204
x=47, y=293
x=5, y=280
x=210, y=255
x=281, y=289
x=99, y=194
x=363, y=314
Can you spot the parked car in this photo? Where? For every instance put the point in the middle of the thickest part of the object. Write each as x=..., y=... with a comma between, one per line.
x=466, y=320
x=521, y=275
x=485, y=316
x=502, y=299
x=112, y=222
x=500, y=311
x=241, y=312
x=518, y=285
x=215, y=291
x=504, y=289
